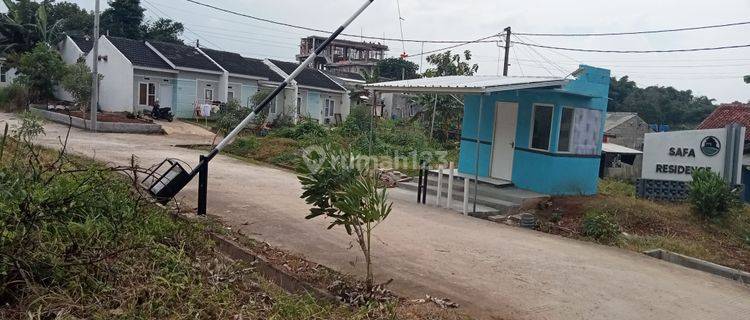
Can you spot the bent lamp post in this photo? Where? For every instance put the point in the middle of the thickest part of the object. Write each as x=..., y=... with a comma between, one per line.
x=176, y=177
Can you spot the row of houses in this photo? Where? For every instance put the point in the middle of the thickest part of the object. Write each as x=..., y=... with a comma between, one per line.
x=136, y=73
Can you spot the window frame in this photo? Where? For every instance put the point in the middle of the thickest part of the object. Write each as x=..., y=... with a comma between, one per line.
x=149, y=85
x=533, y=123
x=205, y=94
x=559, y=130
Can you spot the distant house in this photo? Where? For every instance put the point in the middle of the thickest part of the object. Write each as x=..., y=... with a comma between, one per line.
x=342, y=55
x=625, y=129
x=136, y=73
x=623, y=140
x=7, y=74
x=319, y=97
x=726, y=114
x=244, y=77
x=72, y=49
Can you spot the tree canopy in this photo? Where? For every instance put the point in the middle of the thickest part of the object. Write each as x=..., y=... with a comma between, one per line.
x=449, y=64
x=659, y=105
x=747, y=79
x=395, y=69
x=125, y=18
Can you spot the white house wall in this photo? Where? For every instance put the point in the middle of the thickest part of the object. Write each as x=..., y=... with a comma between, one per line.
x=115, y=93
x=70, y=54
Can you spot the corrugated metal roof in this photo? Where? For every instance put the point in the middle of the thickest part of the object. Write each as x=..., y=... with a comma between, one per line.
x=616, y=148
x=467, y=84
x=614, y=119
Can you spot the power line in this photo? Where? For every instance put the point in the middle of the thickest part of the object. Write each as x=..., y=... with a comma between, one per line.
x=480, y=40
x=634, y=51
x=321, y=30
x=724, y=25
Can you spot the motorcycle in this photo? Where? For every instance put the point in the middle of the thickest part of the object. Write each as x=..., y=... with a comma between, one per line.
x=159, y=113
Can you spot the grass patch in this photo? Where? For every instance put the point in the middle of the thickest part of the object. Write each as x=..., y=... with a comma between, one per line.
x=659, y=225
x=616, y=187
x=78, y=242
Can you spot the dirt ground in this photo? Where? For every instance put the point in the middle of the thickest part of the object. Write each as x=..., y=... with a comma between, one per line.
x=493, y=271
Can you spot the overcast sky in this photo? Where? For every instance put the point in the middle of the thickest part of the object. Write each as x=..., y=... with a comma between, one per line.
x=717, y=74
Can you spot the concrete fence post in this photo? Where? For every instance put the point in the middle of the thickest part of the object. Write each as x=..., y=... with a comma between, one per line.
x=449, y=201
x=439, y=185
x=467, y=186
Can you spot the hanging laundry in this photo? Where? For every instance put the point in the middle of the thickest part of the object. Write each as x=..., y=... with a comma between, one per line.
x=206, y=110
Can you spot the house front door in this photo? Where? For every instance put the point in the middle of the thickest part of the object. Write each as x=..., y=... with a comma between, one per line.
x=504, y=143
x=165, y=95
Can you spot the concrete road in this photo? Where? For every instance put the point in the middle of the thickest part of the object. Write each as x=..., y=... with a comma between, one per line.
x=493, y=271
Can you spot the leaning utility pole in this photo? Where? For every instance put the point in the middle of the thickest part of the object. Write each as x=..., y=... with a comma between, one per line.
x=507, y=51
x=95, y=71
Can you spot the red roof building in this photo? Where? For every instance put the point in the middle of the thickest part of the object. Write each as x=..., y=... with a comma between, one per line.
x=726, y=114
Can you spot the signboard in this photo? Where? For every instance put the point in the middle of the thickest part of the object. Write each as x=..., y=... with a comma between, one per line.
x=673, y=156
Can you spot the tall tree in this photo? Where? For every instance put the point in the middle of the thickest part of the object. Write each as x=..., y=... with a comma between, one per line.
x=442, y=114
x=659, y=105
x=75, y=20
x=20, y=31
x=449, y=64
x=164, y=30
x=123, y=18
x=395, y=69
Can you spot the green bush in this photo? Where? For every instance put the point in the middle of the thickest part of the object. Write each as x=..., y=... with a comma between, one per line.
x=710, y=195
x=306, y=129
x=600, y=226
x=244, y=146
x=14, y=97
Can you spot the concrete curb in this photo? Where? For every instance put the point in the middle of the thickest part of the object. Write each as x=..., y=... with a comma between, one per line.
x=700, y=265
x=112, y=127
x=269, y=271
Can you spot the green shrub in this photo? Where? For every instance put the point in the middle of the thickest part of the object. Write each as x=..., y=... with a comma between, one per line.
x=14, y=97
x=600, y=226
x=306, y=129
x=710, y=195
x=244, y=146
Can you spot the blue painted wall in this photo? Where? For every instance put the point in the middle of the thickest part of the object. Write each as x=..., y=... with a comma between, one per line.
x=468, y=151
x=184, y=98
x=314, y=104
x=547, y=172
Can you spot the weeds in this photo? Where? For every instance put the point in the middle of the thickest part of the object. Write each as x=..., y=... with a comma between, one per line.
x=78, y=241
x=710, y=195
x=601, y=227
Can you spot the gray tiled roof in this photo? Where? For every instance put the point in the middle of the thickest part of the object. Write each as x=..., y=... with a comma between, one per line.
x=309, y=77
x=184, y=56
x=85, y=43
x=237, y=64
x=138, y=53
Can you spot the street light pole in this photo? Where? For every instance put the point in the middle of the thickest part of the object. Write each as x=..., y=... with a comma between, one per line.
x=95, y=71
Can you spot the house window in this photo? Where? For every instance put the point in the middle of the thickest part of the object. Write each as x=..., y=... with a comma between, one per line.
x=3, y=74
x=273, y=105
x=299, y=105
x=329, y=108
x=541, y=127
x=146, y=94
x=230, y=96
x=208, y=95
x=566, y=130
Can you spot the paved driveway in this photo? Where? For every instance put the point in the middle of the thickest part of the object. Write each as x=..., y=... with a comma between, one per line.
x=492, y=270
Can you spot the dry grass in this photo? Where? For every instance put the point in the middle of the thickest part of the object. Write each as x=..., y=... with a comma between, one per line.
x=661, y=225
